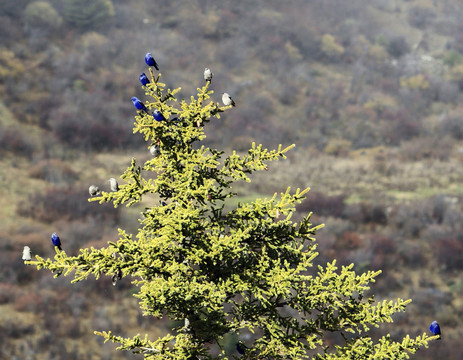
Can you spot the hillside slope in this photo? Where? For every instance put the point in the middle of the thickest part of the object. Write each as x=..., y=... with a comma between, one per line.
x=369, y=92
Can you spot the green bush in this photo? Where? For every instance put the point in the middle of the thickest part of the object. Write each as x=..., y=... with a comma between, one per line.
x=88, y=14
x=452, y=58
x=41, y=14
x=12, y=8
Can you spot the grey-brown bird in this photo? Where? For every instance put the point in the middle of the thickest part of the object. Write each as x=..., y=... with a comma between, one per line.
x=208, y=74
x=227, y=100
x=26, y=253
x=155, y=150
x=114, y=186
x=93, y=190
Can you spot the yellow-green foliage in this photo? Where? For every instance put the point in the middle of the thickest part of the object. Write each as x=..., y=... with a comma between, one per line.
x=457, y=73
x=42, y=14
x=10, y=65
x=452, y=58
x=380, y=102
x=292, y=51
x=416, y=82
x=226, y=272
x=88, y=13
x=331, y=47
x=338, y=147
x=378, y=53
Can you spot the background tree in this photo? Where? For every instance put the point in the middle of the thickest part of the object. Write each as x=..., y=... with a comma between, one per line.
x=226, y=270
x=85, y=14
x=41, y=15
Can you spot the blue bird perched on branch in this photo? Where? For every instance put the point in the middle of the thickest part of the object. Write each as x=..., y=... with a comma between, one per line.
x=56, y=241
x=139, y=105
x=158, y=116
x=144, y=79
x=435, y=329
x=149, y=60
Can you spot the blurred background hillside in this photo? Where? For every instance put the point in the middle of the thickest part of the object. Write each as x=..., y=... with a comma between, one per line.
x=369, y=91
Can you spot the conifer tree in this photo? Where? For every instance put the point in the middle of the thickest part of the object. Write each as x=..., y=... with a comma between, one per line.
x=222, y=271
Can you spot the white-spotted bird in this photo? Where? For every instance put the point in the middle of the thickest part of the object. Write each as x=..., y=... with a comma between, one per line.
x=26, y=253
x=227, y=100
x=93, y=190
x=208, y=74
x=155, y=150
x=113, y=185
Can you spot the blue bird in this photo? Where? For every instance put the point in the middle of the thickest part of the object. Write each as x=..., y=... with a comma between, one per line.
x=56, y=241
x=158, y=116
x=149, y=60
x=144, y=79
x=139, y=105
x=435, y=328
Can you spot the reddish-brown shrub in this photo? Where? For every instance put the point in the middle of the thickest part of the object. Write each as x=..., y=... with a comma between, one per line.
x=66, y=203
x=27, y=302
x=348, y=240
x=449, y=252
x=383, y=245
x=53, y=170
x=8, y=293
x=12, y=140
x=384, y=252
x=323, y=205
x=412, y=255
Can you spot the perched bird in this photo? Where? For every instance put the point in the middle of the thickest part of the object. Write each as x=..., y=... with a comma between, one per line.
x=26, y=253
x=93, y=190
x=56, y=241
x=241, y=348
x=227, y=100
x=139, y=105
x=208, y=74
x=155, y=150
x=117, y=276
x=144, y=79
x=158, y=115
x=175, y=121
x=113, y=184
x=186, y=326
x=435, y=328
x=149, y=60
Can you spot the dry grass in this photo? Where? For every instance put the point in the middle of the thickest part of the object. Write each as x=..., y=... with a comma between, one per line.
x=367, y=175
